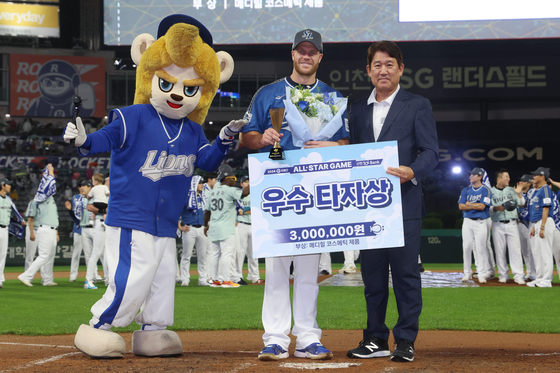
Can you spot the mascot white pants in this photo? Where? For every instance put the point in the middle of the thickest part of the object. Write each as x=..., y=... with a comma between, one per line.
x=142, y=270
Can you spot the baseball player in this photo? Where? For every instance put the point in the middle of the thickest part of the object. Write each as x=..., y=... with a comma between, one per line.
x=30, y=233
x=219, y=226
x=45, y=216
x=523, y=226
x=542, y=228
x=307, y=53
x=503, y=213
x=191, y=226
x=245, y=239
x=7, y=210
x=475, y=203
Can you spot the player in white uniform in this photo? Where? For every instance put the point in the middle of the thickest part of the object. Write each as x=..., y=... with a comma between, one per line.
x=7, y=210
x=503, y=213
x=154, y=147
x=542, y=228
x=475, y=201
x=307, y=52
x=523, y=227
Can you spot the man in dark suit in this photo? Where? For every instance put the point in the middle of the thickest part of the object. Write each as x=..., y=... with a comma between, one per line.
x=391, y=113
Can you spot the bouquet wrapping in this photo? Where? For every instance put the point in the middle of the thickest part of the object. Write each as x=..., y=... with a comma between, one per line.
x=313, y=116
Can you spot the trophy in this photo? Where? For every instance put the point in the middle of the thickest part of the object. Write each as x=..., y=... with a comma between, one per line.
x=276, y=117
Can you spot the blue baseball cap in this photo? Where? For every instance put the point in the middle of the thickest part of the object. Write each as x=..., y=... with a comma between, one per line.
x=169, y=21
x=477, y=171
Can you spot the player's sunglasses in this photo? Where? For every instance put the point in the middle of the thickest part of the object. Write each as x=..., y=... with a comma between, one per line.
x=234, y=178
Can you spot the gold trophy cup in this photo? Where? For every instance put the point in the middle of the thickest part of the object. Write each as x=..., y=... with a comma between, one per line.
x=276, y=117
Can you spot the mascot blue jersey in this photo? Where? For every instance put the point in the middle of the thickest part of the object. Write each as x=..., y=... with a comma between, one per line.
x=152, y=160
x=272, y=96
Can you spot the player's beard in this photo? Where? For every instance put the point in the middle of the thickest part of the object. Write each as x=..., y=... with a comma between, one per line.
x=306, y=73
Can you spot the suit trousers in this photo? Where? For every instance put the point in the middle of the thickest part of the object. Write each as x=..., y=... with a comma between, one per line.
x=407, y=285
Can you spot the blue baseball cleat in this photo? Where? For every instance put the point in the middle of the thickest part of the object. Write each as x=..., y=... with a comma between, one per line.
x=273, y=352
x=314, y=351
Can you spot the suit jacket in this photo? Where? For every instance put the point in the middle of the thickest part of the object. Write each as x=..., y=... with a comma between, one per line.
x=411, y=123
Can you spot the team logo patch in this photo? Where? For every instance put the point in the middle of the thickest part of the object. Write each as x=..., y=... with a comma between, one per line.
x=167, y=165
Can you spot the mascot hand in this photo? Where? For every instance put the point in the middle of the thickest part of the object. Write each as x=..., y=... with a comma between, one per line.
x=228, y=132
x=75, y=132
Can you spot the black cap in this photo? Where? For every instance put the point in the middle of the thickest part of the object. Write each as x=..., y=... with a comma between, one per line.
x=526, y=178
x=243, y=179
x=85, y=183
x=311, y=36
x=225, y=171
x=477, y=171
x=5, y=181
x=543, y=171
x=169, y=21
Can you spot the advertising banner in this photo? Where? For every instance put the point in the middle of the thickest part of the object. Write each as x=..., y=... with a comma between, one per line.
x=44, y=86
x=29, y=20
x=325, y=200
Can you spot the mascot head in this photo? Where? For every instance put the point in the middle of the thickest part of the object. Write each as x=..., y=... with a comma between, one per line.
x=179, y=73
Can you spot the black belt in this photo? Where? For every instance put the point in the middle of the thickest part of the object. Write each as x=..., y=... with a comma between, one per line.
x=476, y=218
x=194, y=226
x=87, y=226
x=3, y=226
x=242, y=222
x=505, y=221
x=47, y=226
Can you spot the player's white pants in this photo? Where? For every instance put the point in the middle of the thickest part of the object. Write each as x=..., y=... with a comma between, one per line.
x=491, y=261
x=351, y=256
x=525, y=243
x=475, y=237
x=4, y=235
x=30, y=248
x=223, y=253
x=46, y=245
x=506, y=234
x=277, y=315
x=244, y=235
x=542, y=252
x=141, y=269
x=77, y=248
x=87, y=246
x=556, y=248
x=97, y=251
x=325, y=263
x=194, y=238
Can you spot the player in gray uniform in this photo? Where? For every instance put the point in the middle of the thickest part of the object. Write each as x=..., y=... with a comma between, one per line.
x=46, y=219
x=219, y=226
x=503, y=213
x=245, y=241
x=7, y=210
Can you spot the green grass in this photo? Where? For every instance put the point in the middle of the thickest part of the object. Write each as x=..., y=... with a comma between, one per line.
x=60, y=310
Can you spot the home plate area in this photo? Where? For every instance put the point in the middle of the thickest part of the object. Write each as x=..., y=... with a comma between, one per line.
x=429, y=280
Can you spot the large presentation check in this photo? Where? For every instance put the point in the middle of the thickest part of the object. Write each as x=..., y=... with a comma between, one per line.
x=323, y=200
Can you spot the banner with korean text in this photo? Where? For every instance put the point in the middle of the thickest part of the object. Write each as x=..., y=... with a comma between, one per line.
x=326, y=200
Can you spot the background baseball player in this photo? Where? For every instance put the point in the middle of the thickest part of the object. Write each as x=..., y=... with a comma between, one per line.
x=523, y=226
x=307, y=53
x=542, y=228
x=503, y=213
x=475, y=202
x=219, y=226
x=7, y=210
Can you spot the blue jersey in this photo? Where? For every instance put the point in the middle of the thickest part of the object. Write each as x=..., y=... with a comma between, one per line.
x=542, y=197
x=193, y=216
x=476, y=195
x=272, y=96
x=152, y=162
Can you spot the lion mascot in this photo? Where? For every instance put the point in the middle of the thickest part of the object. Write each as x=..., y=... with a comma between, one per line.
x=155, y=145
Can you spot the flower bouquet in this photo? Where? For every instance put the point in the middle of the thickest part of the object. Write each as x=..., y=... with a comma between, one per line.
x=313, y=116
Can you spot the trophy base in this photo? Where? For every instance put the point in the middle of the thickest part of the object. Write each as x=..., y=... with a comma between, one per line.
x=276, y=154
